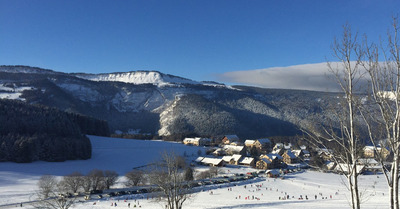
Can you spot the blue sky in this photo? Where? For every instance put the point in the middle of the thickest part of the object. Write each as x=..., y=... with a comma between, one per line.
x=196, y=39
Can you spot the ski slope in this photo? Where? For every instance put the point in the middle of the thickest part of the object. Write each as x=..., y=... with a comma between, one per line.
x=323, y=190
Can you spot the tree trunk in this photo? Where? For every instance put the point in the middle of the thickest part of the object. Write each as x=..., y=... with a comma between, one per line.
x=395, y=196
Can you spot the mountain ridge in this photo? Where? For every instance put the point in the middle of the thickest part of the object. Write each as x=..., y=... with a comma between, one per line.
x=171, y=108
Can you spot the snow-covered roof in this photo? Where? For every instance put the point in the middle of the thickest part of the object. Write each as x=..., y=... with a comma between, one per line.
x=233, y=148
x=249, y=142
x=343, y=167
x=227, y=158
x=236, y=157
x=330, y=165
x=296, y=152
x=191, y=140
x=367, y=161
x=372, y=148
x=212, y=161
x=196, y=139
x=199, y=159
x=288, y=146
x=247, y=160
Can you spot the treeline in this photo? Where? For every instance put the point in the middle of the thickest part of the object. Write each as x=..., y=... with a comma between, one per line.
x=30, y=132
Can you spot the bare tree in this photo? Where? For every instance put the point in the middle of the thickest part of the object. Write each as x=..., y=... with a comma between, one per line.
x=96, y=178
x=385, y=89
x=135, y=177
x=86, y=183
x=167, y=176
x=347, y=74
x=72, y=182
x=47, y=185
x=110, y=178
x=51, y=195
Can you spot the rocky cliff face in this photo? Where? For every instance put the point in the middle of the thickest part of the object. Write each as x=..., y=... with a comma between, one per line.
x=152, y=102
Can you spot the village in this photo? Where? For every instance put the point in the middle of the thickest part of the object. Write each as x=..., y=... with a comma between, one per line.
x=279, y=158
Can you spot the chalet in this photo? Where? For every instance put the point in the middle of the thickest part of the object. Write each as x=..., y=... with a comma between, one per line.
x=370, y=164
x=264, y=164
x=371, y=152
x=249, y=143
x=214, y=162
x=231, y=139
x=343, y=168
x=269, y=161
x=248, y=161
x=325, y=154
x=301, y=153
x=197, y=141
x=260, y=144
x=330, y=165
x=233, y=160
x=234, y=150
x=289, y=157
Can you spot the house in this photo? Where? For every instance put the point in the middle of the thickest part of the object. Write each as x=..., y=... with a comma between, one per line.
x=289, y=157
x=197, y=141
x=231, y=139
x=269, y=161
x=264, y=164
x=260, y=144
x=232, y=150
x=325, y=154
x=301, y=153
x=248, y=161
x=371, y=152
x=233, y=160
x=370, y=164
x=343, y=168
x=330, y=165
x=249, y=143
x=214, y=162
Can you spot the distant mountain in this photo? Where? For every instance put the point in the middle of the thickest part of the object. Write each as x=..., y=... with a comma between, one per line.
x=157, y=103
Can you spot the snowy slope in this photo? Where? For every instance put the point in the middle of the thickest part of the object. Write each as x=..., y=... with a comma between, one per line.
x=18, y=182
x=139, y=77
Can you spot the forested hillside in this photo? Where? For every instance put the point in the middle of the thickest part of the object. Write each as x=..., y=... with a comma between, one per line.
x=152, y=103
x=32, y=132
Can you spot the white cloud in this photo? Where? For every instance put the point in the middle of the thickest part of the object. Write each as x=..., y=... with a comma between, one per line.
x=305, y=77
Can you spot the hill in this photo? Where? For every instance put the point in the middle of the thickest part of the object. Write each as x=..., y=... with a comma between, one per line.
x=31, y=132
x=149, y=102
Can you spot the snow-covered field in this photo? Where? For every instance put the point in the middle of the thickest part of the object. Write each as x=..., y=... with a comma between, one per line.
x=318, y=190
